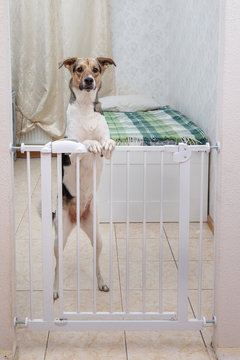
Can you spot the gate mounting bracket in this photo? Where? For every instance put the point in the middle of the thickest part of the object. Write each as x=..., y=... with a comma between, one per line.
x=18, y=322
x=216, y=147
x=183, y=154
x=213, y=321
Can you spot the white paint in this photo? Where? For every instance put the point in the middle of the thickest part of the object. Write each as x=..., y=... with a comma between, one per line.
x=7, y=334
x=227, y=289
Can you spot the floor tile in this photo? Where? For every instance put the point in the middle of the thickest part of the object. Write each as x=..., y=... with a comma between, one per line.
x=171, y=230
x=20, y=185
x=70, y=301
x=169, y=278
x=23, y=304
x=166, y=345
x=19, y=212
x=207, y=333
x=86, y=274
x=69, y=275
x=22, y=232
x=31, y=345
x=86, y=345
x=207, y=302
x=228, y=353
x=22, y=276
x=207, y=274
x=168, y=301
x=136, y=247
x=136, y=230
x=22, y=250
x=207, y=248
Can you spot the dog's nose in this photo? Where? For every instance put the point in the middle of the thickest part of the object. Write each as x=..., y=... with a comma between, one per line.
x=88, y=80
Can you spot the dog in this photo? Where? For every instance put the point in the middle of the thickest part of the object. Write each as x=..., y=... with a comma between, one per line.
x=86, y=124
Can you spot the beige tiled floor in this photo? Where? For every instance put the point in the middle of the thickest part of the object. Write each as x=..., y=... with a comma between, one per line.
x=110, y=345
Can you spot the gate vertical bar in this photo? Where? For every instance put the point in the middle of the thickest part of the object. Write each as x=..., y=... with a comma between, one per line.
x=47, y=245
x=78, y=230
x=94, y=233
x=161, y=238
x=127, y=233
x=60, y=232
x=200, y=238
x=144, y=232
x=30, y=231
x=110, y=239
x=183, y=248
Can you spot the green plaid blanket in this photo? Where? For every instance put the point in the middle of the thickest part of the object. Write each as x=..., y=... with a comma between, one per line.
x=159, y=127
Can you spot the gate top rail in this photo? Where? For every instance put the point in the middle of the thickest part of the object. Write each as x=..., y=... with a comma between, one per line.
x=72, y=146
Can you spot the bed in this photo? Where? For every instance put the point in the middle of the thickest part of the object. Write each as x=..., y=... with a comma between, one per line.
x=156, y=127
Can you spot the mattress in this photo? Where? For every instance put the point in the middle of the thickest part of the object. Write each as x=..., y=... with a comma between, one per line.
x=157, y=127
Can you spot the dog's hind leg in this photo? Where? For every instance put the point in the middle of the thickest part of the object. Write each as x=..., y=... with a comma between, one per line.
x=68, y=225
x=87, y=227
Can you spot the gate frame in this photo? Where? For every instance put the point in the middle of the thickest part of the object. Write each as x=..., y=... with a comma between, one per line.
x=120, y=320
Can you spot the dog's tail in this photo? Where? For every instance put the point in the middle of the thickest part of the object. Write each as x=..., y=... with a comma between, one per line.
x=39, y=209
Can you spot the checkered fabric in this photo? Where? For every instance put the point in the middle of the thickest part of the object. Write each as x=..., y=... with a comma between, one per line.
x=159, y=127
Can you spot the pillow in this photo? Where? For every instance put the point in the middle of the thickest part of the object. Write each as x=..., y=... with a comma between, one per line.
x=129, y=103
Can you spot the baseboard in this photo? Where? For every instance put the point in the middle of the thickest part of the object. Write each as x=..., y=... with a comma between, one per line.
x=228, y=353
x=33, y=154
x=210, y=223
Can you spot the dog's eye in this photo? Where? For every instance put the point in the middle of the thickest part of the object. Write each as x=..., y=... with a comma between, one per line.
x=80, y=69
x=95, y=70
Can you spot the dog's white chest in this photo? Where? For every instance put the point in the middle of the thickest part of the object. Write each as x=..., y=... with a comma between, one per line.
x=81, y=125
x=92, y=125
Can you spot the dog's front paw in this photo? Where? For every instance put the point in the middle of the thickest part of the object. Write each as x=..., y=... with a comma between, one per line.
x=104, y=288
x=55, y=295
x=107, y=147
x=93, y=146
x=101, y=284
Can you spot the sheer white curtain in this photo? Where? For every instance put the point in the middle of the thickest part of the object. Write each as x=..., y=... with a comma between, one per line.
x=42, y=34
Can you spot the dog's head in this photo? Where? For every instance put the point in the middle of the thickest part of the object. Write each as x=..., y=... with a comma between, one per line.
x=87, y=72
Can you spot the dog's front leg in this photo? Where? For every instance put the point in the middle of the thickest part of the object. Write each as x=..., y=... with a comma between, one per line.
x=87, y=227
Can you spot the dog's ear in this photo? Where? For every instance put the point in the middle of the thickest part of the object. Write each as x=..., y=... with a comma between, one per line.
x=105, y=62
x=68, y=63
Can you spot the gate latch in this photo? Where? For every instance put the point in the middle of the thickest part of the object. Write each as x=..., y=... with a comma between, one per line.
x=183, y=154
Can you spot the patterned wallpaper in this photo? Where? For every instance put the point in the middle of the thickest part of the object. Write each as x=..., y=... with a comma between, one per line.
x=140, y=43
x=170, y=49
x=193, y=59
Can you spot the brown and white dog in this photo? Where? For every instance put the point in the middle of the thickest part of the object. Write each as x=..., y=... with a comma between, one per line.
x=86, y=124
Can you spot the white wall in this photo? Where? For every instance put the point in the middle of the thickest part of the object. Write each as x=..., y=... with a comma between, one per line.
x=227, y=274
x=170, y=49
x=140, y=39
x=7, y=333
x=193, y=59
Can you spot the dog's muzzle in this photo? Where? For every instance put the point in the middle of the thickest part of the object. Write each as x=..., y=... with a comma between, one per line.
x=88, y=84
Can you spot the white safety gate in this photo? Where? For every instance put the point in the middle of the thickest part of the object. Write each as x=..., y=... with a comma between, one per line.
x=127, y=318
